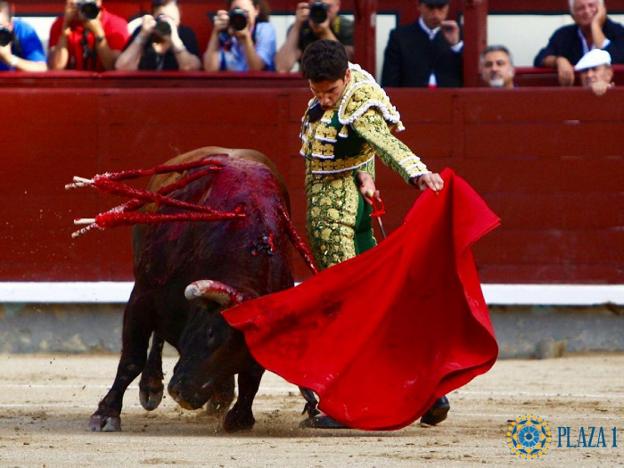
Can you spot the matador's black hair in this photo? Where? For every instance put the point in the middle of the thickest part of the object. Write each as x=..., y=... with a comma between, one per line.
x=324, y=60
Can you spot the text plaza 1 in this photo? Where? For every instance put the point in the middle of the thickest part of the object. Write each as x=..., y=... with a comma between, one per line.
x=586, y=437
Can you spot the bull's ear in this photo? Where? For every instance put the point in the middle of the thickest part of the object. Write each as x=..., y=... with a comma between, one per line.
x=221, y=293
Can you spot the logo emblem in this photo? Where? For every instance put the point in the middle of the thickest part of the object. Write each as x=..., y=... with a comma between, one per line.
x=528, y=436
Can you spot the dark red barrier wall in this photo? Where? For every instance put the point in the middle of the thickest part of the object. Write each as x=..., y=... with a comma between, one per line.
x=549, y=161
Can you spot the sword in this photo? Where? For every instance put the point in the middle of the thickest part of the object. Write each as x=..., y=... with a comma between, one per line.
x=378, y=211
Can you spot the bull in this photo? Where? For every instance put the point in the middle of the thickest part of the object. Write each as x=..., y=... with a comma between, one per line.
x=186, y=273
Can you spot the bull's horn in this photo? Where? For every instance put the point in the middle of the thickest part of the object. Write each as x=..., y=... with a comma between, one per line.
x=213, y=290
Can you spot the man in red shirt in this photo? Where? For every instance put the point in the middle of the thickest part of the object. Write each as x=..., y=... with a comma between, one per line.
x=86, y=37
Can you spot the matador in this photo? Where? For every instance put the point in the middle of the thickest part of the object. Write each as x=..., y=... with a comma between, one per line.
x=348, y=122
x=339, y=144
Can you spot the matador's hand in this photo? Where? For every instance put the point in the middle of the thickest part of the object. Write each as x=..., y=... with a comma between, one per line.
x=430, y=180
x=367, y=188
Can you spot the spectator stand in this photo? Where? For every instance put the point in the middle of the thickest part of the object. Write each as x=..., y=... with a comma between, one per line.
x=522, y=25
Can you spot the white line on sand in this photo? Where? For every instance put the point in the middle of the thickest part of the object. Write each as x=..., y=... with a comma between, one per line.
x=135, y=406
x=272, y=388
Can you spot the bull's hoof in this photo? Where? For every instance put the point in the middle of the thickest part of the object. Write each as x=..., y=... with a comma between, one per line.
x=100, y=423
x=236, y=421
x=218, y=406
x=150, y=399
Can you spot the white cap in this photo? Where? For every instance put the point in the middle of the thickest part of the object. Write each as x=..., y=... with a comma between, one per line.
x=593, y=58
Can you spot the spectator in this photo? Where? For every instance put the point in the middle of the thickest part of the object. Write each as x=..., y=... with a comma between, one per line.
x=427, y=52
x=242, y=39
x=596, y=71
x=20, y=47
x=86, y=37
x=314, y=20
x=592, y=30
x=497, y=69
x=161, y=43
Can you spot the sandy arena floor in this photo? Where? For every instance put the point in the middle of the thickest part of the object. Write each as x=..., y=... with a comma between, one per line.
x=45, y=403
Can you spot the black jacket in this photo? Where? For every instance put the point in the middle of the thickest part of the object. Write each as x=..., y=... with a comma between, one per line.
x=150, y=60
x=411, y=56
x=565, y=42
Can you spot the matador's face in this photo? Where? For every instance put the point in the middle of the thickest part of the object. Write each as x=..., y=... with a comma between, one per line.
x=328, y=93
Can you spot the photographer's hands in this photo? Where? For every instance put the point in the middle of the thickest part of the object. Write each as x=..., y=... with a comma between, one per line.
x=58, y=55
x=70, y=13
x=148, y=22
x=6, y=55
x=222, y=24
x=302, y=13
x=221, y=21
x=186, y=60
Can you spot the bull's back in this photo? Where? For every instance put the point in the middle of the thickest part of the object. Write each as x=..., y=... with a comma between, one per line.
x=223, y=250
x=162, y=180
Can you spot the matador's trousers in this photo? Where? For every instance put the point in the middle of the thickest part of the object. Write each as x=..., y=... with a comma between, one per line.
x=338, y=219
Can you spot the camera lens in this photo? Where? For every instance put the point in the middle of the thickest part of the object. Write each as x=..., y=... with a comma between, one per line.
x=162, y=27
x=318, y=12
x=89, y=10
x=6, y=36
x=238, y=19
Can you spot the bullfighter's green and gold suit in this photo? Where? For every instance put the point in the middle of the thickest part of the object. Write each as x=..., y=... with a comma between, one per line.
x=338, y=143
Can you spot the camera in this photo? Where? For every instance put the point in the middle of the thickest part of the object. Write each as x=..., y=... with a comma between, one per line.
x=6, y=36
x=162, y=28
x=88, y=9
x=318, y=12
x=238, y=19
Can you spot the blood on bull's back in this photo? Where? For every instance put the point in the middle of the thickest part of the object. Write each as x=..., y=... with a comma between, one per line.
x=248, y=253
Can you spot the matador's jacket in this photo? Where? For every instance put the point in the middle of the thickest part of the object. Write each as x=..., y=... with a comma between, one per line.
x=336, y=144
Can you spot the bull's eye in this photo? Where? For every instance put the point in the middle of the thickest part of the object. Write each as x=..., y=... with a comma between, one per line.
x=210, y=334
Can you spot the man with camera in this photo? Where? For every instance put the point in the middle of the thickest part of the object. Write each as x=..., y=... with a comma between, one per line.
x=161, y=43
x=315, y=20
x=20, y=47
x=86, y=37
x=427, y=53
x=242, y=39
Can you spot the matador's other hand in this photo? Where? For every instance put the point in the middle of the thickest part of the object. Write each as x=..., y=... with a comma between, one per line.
x=367, y=188
x=431, y=180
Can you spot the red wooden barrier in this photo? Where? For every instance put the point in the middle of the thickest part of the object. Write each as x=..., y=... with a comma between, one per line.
x=549, y=161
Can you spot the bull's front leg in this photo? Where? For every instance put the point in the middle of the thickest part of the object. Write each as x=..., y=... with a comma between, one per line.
x=240, y=417
x=136, y=333
x=151, y=384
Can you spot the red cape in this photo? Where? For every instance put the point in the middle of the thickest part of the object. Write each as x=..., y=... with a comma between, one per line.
x=381, y=336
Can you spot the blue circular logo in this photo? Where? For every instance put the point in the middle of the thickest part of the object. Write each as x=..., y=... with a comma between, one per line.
x=528, y=436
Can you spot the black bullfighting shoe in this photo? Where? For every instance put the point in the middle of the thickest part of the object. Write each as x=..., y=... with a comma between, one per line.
x=322, y=421
x=437, y=413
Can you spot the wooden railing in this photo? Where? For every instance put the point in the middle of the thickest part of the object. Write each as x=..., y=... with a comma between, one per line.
x=549, y=161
